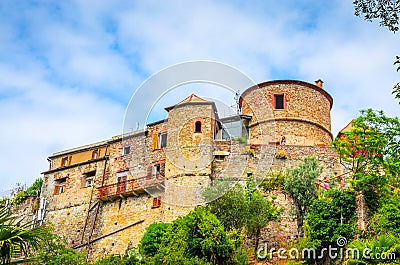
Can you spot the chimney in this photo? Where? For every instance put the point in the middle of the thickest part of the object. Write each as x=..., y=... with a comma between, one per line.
x=319, y=83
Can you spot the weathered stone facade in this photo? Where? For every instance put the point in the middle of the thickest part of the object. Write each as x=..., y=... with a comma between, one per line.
x=303, y=116
x=102, y=196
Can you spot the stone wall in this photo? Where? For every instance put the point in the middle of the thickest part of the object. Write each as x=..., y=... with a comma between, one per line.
x=114, y=222
x=303, y=103
x=121, y=225
x=189, y=156
x=68, y=210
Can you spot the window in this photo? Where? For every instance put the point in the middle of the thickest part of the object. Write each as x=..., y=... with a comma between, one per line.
x=89, y=182
x=279, y=101
x=162, y=140
x=219, y=157
x=156, y=170
x=126, y=150
x=121, y=182
x=156, y=202
x=65, y=161
x=197, y=127
x=122, y=174
x=88, y=179
x=95, y=154
x=59, y=186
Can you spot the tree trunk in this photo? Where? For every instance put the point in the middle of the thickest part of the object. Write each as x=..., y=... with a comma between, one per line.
x=257, y=241
x=300, y=223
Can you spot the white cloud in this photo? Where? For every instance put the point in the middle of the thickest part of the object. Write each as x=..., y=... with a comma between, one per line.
x=42, y=118
x=69, y=68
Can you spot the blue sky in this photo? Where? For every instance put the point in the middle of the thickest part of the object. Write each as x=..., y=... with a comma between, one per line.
x=69, y=68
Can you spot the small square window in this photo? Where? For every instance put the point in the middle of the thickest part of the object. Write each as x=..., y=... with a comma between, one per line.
x=89, y=182
x=126, y=150
x=279, y=101
x=59, y=186
x=88, y=179
x=156, y=169
x=64, y=161
x=156, y=202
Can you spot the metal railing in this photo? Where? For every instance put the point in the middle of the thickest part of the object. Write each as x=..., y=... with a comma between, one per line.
x=130, y=185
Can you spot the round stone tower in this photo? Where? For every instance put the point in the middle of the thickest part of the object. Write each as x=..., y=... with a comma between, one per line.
x=288, y=112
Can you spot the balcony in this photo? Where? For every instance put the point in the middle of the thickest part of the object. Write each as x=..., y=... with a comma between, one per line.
x=132, y=187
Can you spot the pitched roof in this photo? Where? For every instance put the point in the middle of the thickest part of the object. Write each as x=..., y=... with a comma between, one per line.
x=347, y=128
x=193, y=98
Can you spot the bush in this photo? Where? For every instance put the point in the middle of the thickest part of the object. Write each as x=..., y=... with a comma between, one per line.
x=387, y=218
x=281, y=155
x=32, y=191
x=56, y=252
x=151, y=240
x=241, y=140
x=249, y=152
x=273, y=180
x=197, y=238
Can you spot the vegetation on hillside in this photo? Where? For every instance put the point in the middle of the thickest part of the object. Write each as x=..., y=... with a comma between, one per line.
x=21, y=193
x=212, y=234
x=18, y=238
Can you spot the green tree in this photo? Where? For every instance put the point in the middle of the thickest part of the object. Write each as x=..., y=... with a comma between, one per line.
x=55, y=252
x=386, y=11
x=382, y=249
x=396, y=89
x=273, y=180
x=197, y=238
x=17, y=238
x=371, y=150
x=332, y=217
x=231, y=208
x=242, y=208
x=299, y=184
x=387, y=218
x=32, y=191
x=151, y=239
x=260, y=211
x=117, y=260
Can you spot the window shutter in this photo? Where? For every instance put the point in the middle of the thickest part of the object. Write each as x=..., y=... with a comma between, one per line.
x=69, y=160
x=155, y=141
x=56, y=189
x=156, y=202
x=149, y=171
x=162, y=169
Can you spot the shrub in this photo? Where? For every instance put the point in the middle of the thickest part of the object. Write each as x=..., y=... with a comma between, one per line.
x=273, y=180
x=152, y=239
x=281, y=155
x=32, y=191
x=249, y=152
x=241, y=140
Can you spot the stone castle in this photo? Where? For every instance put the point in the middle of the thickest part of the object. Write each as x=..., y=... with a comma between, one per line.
x=102, y=196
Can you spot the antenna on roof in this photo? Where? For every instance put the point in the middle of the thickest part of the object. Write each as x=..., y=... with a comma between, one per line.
x=237, y=98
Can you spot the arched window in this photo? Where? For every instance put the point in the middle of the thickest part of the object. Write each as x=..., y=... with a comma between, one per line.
x=197, y=127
